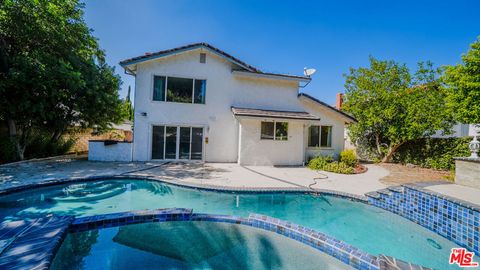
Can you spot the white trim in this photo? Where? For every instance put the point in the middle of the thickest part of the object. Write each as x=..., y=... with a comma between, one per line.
x=190, y=145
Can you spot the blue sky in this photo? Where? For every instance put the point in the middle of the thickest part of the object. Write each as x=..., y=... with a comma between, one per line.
x=278, y=36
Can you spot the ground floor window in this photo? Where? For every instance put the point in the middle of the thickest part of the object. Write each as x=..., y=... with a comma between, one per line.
x=274, y=131
x=175, y=142
x=320, y=136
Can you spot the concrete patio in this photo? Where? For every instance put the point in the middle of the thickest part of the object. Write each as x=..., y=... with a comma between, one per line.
x=236, y=176
x=221, y=175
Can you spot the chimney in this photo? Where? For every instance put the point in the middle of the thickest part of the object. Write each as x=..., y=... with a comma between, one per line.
x=339, y=101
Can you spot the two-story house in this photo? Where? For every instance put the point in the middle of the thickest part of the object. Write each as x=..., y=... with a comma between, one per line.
x=197, y=102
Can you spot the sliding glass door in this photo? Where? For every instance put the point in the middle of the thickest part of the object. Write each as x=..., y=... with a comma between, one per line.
x=158, y=139
x=184, y=152
x=172, y=142
x=197, y=143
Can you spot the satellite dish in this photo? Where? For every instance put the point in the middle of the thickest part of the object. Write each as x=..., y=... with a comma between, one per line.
x=309, y=71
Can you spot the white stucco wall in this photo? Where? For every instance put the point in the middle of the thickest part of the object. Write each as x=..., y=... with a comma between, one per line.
x=224, y=90
x=327, y=118
x=254, y=151
x=98, y=151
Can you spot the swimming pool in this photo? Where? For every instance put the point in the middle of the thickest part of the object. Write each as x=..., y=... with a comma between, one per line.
x=187, y=245
x=366, y=227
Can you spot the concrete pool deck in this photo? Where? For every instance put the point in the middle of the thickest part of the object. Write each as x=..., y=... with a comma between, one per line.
x=221, y=175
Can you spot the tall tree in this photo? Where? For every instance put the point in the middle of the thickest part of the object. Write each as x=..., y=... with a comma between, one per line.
x=127, y=108
x=52, y=72
x=463, y=81
x=393, y=105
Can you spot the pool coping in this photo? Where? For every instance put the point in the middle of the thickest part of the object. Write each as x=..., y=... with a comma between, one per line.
x=204, y=187
x=340, y=250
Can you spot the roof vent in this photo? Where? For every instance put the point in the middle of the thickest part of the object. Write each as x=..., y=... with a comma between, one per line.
x=203, y=58
x=148, y=53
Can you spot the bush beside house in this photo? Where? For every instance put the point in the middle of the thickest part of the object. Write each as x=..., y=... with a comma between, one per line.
x=347, y=164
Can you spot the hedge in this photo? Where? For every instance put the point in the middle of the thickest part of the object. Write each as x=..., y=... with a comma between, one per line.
x=38, y=147
x=435, y=153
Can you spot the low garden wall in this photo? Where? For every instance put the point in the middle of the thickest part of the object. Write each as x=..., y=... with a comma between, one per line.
x=105, y=150
x=467, y=172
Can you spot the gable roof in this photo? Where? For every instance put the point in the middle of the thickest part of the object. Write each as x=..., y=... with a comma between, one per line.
x=331, y=108
x=249, y=69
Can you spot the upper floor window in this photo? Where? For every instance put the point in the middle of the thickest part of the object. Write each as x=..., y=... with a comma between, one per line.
x=320, y=136
x=183, y=90
x=274, y=131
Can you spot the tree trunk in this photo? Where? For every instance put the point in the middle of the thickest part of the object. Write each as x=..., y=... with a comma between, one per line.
x=12, y=131
x=391, y=151
x=56, y=135
x=377, y=141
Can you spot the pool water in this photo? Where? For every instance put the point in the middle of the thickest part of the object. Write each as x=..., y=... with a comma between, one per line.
x=187, y=245
x=367, y=227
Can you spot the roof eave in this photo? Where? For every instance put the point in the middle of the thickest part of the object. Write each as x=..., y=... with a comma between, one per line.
x=348, y=118
x=253, y=116
x=271, y=76
x=261, y=113
x=141, y=59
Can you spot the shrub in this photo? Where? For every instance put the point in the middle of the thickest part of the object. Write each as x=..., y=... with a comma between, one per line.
x=435, y=153
x=318, y=163
x=39, y=146
x=326, y=163
x=338, y=167
x=7, y=149
x=42, y=146
x=349, y=157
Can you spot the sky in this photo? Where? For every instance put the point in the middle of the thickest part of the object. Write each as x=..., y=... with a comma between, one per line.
x=286, y=36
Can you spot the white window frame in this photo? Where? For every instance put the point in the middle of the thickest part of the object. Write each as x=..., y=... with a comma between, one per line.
x=166, y=89
x=320, y=137
x=274, y=131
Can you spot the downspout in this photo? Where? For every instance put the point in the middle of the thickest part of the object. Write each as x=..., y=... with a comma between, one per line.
x=239, y=140
x=130, y=72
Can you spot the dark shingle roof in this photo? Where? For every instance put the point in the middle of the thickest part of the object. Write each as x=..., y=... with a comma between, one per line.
x=273, y=114
x=194, y=46
x=328, y=106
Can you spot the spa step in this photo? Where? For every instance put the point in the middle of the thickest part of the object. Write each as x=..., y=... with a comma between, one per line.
x=385, y=191
x=373, y=194
x=92, y=196
x=397, y=189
